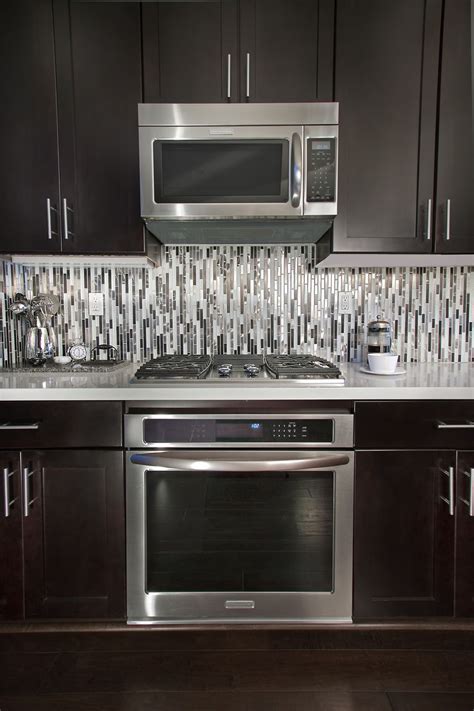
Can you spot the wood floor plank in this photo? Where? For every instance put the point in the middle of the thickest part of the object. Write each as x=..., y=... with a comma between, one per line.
x=427, y=671
x=27, y=672
x=421, y=701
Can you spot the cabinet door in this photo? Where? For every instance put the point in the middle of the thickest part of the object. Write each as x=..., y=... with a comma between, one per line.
x=456, y=132
x=465, y=536
x=74, y=547
x=28, y=128
x=403, y=534
x=286, y=50
x=386, y=82
x=11, y=548
x=98, y=49
x=190, y=51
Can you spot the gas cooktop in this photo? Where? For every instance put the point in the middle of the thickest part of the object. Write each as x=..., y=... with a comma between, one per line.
x=248, y=368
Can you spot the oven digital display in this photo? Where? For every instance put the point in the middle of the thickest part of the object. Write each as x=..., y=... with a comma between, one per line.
x=238, y=431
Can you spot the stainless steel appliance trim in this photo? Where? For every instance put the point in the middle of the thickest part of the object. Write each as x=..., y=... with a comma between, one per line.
x=296, y=170
x=239, y=604
x=469, y=502
x=229, y=64
x=428, y=219
x=247, y=74
x=450, y=499
x=320, y=209
x=216, y=460
x=468, y=425
x=328, y=607
x=447, y=232
x=12, y=426
x=278, y=114
x=343, y=431
x=150, y=209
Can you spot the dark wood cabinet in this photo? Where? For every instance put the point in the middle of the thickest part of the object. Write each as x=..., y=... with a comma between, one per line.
x=403, y=534
x=28, y=129
x=69, y=179
x=455, y=175
x=252, y=50
x=74, y=545
x=464, y=601
x=11, y=540
x=62, y=534
x=190, y=51
x=386, y=74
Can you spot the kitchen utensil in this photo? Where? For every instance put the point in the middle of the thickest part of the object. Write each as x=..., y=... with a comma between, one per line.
x=40, y=345
x=379, y=335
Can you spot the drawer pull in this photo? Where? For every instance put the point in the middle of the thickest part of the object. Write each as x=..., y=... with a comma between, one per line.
x=450, y=500
x=18, y=426
x=468, y=425
x=470, y=503
x=26, y=491
x=8, y=503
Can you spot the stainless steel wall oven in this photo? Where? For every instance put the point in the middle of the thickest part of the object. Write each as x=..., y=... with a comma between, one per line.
x=238, y=516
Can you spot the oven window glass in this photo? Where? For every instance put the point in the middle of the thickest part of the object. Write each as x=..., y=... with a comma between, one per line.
x=221, y=171
x=219, y=532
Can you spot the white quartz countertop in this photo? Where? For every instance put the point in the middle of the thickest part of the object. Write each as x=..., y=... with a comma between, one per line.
x=424, y=381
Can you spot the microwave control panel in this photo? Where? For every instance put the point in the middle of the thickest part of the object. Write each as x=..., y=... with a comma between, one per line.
x=321, y=170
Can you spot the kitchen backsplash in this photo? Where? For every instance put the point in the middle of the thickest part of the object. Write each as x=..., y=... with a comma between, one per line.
x=248, y=300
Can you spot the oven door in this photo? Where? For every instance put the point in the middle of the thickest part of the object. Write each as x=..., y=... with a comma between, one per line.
x=241, y=536
x=221, y=172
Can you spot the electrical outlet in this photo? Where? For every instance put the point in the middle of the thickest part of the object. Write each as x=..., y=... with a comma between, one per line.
x=96, y=304
x=345, y=302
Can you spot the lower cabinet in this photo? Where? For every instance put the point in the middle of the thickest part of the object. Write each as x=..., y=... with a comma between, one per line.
x=62, y=531
x=413, y=534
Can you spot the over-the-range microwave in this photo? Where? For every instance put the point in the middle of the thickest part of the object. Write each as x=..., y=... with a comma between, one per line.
x=240, y=164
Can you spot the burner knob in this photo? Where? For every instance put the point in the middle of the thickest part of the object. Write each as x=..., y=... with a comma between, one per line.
x=252, y=370
x=225, y=370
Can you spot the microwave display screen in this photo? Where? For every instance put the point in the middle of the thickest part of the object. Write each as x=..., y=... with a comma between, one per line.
x=221, y=171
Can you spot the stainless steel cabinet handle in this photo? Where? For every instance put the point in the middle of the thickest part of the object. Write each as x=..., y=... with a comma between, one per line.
x=247, y=90
x=25, y=426
x=49, y=207
x=296, y=170
x=247, y=463
x=429, y=209
x=447, y=229
x=26, y=491
x=470, y=502
x=450, y=500
x=468, y=425
x=229, y=64
x=67, y=231
x=7, y=502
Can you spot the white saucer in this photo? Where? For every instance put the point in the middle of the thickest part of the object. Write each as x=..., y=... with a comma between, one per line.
x=398, y=371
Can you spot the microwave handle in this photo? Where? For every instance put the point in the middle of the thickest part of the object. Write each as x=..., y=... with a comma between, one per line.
x=167, y=460
x=296, y=170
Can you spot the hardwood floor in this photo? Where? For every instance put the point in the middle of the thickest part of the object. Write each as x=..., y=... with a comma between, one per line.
x=235, y=670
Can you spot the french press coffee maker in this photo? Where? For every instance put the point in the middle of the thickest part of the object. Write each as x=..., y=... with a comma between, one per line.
x=379, y=335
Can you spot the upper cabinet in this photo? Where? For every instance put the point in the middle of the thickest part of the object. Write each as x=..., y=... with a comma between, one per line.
x=252, y=50
x=386, y=74
x=69, y=171
x=455, y=177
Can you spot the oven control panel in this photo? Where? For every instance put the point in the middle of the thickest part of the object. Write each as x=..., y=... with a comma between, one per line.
x=253, y=430
x=321, y=170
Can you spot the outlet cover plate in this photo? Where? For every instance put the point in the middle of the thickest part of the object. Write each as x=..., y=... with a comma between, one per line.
x=345, y=302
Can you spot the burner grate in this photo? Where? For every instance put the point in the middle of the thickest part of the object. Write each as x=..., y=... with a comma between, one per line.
x=301, y=366
x=174, y=366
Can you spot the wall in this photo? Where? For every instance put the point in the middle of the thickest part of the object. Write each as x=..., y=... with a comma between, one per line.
x=247, y=300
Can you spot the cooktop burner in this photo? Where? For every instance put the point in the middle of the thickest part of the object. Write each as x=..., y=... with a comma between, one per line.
x=228, y=368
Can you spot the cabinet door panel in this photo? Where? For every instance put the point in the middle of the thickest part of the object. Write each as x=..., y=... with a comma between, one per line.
x=403, y=535
x=11, y=548
x=386, y=83
x=456, y=131
x=28, y=128
x=465, y=536
x=185, y=51
x=98, y=49
x=74, y=536
x=280, y=42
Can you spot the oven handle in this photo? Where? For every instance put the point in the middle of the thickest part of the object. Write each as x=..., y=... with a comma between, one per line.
x=296, y=170
x=177, y=462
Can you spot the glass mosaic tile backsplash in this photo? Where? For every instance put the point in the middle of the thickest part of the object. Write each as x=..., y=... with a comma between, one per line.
x=248, y=300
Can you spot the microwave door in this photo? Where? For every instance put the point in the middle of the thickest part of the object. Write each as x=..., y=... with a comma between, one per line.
x=221, y=172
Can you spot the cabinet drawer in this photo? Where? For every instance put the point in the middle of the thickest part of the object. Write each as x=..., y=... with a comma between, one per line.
x=60, y=424
x=414, y=425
